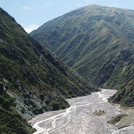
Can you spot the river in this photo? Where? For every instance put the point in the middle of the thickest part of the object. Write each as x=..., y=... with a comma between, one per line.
x=80, y=117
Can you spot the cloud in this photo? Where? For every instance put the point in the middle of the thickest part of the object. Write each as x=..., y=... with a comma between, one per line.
x=30, y=28
x=26, y=8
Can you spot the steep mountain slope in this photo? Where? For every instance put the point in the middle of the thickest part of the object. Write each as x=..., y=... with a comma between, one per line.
x=32, y=80
x=96, y=41
x=125, y=96
x=10, y=121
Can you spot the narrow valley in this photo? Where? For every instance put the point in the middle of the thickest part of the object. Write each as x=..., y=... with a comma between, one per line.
x=50, y=79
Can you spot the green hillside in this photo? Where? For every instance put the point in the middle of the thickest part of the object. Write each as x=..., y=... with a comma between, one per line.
x=98, y=42
x=32, y=80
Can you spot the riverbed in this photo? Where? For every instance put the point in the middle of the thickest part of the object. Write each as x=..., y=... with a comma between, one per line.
x=81, y=117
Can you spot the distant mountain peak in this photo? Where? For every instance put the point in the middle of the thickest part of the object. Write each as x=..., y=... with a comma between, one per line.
x=93, y=41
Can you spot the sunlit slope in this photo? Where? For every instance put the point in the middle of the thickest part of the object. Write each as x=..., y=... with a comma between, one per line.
x=98, y=42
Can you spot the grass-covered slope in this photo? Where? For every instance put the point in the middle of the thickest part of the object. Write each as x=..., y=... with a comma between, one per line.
x=32, y=77
x=125, y=96
x=98, y=42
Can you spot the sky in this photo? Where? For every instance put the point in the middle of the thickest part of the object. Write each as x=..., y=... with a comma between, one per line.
x=33, y=13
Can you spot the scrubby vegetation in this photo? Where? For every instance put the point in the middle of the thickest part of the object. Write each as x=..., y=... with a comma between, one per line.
x=10, y=121
x=117, y=118
x=125, y=96
x=32, y=80
x=99, y=112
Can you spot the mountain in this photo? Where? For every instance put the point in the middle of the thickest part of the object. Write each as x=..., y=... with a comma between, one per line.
x=32, y=80
x=125, y=96
x=96, y=41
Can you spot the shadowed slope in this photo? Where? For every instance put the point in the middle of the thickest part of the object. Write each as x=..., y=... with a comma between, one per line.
x=34, y=79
